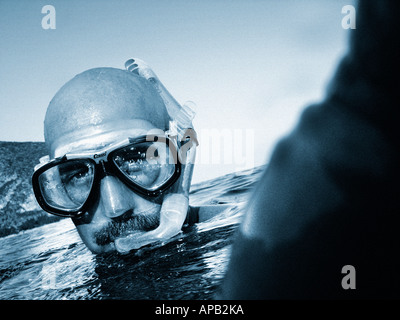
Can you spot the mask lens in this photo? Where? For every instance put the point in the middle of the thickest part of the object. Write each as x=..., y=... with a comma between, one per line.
x=147, y=164
x=67, y=185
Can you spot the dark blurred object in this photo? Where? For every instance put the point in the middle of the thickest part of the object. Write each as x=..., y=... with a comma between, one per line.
x=330, y=196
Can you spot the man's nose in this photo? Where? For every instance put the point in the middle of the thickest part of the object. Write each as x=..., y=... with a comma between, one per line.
x=113, y=197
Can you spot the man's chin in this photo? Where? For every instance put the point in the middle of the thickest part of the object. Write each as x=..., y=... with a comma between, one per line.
x=97, y=249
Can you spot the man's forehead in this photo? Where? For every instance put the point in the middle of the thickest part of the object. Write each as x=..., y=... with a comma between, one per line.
x=99, y=96
x=94, y=139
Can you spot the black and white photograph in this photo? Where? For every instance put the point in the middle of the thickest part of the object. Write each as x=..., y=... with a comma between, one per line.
x=214, y=151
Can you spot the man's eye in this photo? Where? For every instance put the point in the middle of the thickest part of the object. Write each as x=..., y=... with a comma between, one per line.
x=80, y=175
x=77, y=177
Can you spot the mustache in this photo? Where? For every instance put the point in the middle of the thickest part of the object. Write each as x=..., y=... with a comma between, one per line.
x=133, y=222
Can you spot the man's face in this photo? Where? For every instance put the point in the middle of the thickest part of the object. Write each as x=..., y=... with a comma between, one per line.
x=112, y=118
x=117, y=210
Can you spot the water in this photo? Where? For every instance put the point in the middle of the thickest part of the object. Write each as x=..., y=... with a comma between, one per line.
x=51, y=262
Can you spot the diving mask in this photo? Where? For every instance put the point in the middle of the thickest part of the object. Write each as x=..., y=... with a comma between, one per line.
x=68, y=185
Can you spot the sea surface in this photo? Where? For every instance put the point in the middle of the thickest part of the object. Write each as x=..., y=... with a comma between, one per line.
x=51, y=262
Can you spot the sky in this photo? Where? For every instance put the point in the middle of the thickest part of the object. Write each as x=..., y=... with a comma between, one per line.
x=250, y=66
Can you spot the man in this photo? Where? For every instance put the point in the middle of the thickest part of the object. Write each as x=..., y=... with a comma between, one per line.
x=324, y=219
x=121, y=153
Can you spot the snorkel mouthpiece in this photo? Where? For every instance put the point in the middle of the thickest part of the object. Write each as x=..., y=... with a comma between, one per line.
x=175, y=203
x=172, y=216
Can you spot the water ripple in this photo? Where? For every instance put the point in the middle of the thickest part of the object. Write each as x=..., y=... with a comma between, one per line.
x=51, y=262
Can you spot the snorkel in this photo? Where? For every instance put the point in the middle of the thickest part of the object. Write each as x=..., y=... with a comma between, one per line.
x=176, y=201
